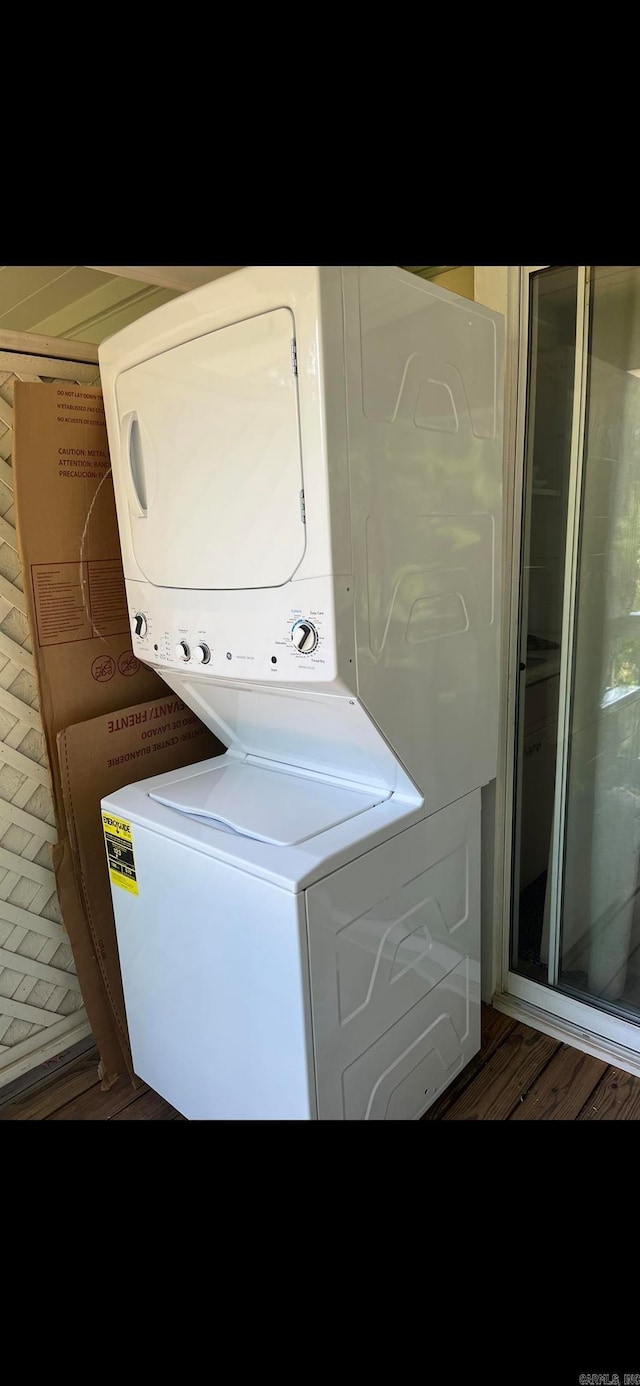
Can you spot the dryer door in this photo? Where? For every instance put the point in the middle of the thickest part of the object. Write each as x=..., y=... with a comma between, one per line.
x=210, y=458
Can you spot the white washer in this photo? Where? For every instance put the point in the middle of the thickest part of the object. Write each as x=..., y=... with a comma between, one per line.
x=307, y=467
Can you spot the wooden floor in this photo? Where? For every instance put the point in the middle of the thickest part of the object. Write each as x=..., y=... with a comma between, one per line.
x=68, y=1089
x=519, y=1075
x=523, y=1075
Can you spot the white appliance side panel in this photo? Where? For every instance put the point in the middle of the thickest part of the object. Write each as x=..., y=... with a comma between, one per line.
x=394, y=947
x=215, y=976
x=209, y=458
x=401, y=1076
x=424, y=390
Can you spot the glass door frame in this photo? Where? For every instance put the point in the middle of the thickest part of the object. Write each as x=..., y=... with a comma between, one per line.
x=548, y=1009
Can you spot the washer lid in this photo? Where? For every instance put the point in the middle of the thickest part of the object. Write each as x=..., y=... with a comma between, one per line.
x=269, y=805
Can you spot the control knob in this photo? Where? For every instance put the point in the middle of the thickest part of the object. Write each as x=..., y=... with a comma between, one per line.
x=139, y=625
x=305, y=637
x=182, y=650
x=202, y=654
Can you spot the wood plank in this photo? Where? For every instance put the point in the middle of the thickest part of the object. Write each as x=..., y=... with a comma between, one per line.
x=15, y=739
x=150, y=1106
x=8, y=533
x=22, y=374
x=38, y=1047
x=23, y=711
x=95, y=1105
x=518, y=1061
x=56, y=1090
x=30, y=850
x=10, y=813
x=13, y=595
x=26, y=919
x=9, y=881
x=21, y=1011
x=30, y=367
x=55, y=348
x=17, y=653
x=10, y=568
x=44, y=972
x=24, y=794
x=27, y=688
x=42, y=1074
x=41, y=898
x=13, y=941
x=6, y=930
x=495, y=1027
x=32, y=768
x=73, y=1092
x=40, y=874
x=17, y=985
x=616, y=1098
x=6, y=1021
x=561, y=1091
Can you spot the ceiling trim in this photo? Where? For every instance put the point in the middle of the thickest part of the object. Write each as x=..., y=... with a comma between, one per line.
x=180, y=277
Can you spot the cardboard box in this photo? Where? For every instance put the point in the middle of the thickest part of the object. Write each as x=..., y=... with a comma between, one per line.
x=74, y=586
x=96, y=758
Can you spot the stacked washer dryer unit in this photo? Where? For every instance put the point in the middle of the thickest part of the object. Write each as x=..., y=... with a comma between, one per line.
x=307, y=468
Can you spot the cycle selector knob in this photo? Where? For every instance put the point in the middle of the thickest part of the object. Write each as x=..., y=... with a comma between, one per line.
x=305, y=637
x=139, y=624
x=182, y=650
x=202, y=654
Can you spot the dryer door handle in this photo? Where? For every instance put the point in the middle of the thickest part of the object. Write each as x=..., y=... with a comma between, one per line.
x=135, y=477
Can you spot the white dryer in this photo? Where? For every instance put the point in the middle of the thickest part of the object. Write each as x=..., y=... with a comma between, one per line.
x=307, y=468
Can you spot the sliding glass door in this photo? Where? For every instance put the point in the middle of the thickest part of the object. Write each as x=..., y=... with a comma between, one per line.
x=576, y=850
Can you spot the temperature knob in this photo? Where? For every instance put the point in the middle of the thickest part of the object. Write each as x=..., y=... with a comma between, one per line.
x=182, y=650
x=202, y=654
x=305, y=637
x=139, y=624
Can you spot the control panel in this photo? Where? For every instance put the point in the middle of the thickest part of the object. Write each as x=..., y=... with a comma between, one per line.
x=288, y=643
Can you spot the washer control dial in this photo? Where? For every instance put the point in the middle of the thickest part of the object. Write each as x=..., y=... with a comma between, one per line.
x=305, y=637
x=182, y=650
x=202, y=653
x=139, y=624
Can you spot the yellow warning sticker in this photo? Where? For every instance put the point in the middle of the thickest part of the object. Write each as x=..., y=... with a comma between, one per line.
x=119, y=843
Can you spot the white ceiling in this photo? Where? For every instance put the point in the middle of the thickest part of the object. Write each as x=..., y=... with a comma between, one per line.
x=181, y=277
x=87, y=303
